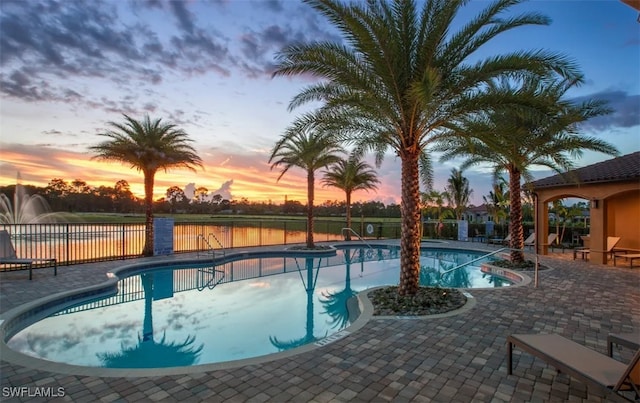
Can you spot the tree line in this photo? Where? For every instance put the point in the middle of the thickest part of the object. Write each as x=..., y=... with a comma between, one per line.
x=79, y=196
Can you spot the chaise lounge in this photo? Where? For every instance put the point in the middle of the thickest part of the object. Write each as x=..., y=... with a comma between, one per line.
x=8, y=255
x=588, y=366
x=612, y=241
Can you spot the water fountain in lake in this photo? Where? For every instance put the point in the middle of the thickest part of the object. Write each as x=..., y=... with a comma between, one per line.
x=26, y=209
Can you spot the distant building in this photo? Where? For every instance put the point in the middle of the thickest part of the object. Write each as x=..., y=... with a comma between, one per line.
x=477, y=214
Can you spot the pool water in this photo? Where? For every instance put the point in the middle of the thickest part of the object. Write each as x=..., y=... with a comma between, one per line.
x=193, y=315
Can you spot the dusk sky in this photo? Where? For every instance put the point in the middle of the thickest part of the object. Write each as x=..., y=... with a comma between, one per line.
x=68, y=67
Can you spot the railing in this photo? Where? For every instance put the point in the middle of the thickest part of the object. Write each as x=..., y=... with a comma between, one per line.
x=536, y=264
x=211, y=249
x=349, y=230
x=474, y=260
x=75, y=243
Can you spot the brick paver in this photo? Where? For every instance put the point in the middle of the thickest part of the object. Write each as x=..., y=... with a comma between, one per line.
x=452, y=359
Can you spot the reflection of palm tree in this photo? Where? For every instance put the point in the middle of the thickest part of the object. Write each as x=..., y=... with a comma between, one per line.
x=496, y=281
x=309, y=288
x=147, y=353
x=335, y=303
x=430, y=276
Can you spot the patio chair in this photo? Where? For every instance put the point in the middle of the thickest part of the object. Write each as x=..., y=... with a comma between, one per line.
x=612, y=241
x=551, y=239
x=586, y=365
x=531, y=240
x=500, y=241
x=8, y=255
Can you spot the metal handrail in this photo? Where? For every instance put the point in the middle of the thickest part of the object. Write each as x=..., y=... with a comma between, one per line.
x=356, y=234
x=474, y=260
x=211, y=248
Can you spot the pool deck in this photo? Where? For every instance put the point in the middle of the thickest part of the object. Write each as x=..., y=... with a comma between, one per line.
x=461, y=358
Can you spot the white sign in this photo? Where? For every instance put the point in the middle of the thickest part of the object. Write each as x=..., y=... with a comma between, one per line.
x=463, y=230
x=162, y=236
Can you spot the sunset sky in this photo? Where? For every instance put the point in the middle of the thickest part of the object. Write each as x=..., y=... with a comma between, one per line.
x=68, y=67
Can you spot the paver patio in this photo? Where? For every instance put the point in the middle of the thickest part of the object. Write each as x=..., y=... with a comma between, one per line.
x=461, y=358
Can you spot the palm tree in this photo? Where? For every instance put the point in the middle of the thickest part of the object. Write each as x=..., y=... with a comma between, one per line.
x=147, y=146
x=350, y=175
x=513, y=139
x=402, y=75
x=497, y=201
x=458, y=192
x=310, y=151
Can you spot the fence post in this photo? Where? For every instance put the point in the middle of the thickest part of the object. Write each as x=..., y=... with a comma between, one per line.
x=67, y=245
x=124, y=237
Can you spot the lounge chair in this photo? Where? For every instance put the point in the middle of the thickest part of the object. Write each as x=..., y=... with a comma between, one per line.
x=500, y=241
x=586, y=365
x=551, y=239
x=531, y=240
x=8, y=255
x=612, y=241
x=630, y=257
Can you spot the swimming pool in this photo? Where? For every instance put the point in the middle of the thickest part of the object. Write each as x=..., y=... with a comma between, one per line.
x=249, y=306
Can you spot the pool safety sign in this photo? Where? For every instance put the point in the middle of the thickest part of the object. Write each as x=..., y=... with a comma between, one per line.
x=463, y=230
x=162, y=236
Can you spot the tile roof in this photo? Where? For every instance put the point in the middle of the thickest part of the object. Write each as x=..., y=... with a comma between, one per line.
x=620, y=169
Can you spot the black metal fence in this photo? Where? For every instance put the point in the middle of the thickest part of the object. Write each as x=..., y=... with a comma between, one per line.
x=73, y=243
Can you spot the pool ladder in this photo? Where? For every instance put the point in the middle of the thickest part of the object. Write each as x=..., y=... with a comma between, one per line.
x=210, y=277
x=208, y=241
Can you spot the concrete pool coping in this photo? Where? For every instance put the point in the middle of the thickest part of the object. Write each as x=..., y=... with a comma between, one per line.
x=360, y=311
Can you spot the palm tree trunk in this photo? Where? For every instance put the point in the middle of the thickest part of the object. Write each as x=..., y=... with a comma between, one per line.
x=515, y=217
x=310, y=195
x=410, y=225
x=148, y=214
x=348, y=199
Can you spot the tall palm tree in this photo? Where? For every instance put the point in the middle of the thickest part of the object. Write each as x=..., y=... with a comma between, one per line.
x=513, y=139
x=497, y=201
x=458, y=192
x=310, y=151
x=400, y=76
x=350, y=175
x=147, y=145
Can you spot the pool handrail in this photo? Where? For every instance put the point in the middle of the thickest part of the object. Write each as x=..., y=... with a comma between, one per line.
x=356, y=234
x=207, y=241
x=474, y=260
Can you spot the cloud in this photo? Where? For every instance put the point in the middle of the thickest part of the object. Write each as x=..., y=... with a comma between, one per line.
x=625, y=110
x=224, y=190
x=72, y=40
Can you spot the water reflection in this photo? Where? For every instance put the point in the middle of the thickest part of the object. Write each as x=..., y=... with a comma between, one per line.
x=335, y=303
x=309, y=287
x=258, y=306
x=149, y=353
